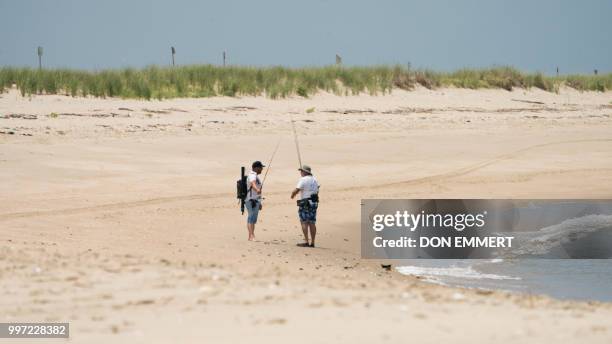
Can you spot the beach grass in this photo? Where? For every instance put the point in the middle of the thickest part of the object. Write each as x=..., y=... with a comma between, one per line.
x=275, y=82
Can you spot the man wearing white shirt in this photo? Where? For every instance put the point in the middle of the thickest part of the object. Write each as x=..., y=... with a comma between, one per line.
x=253, y=198
x=308, y=187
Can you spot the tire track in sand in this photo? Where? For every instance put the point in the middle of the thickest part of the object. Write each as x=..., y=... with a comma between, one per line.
x=111, y=206
x=421, y=180
x=471, y=168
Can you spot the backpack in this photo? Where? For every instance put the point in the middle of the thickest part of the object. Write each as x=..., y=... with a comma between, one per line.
x=241, y=189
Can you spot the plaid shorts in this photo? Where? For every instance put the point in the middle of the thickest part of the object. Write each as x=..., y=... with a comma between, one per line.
x=308, y=212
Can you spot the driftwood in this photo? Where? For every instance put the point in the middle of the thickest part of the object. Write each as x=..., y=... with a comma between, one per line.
x=18, y=115
x=527, y=101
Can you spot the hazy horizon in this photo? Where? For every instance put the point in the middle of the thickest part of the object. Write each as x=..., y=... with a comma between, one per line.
x=441, y=35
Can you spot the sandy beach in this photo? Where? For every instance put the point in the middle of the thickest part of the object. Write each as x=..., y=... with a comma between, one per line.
x=120, y=216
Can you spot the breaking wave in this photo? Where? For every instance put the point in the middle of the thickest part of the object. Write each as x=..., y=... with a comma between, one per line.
x=543, y=241
x=432, y=274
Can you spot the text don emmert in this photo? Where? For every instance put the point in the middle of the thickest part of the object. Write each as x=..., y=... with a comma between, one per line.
x=475, y=242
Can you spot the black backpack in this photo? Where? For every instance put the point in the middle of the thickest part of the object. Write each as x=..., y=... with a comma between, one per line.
x=241, y=189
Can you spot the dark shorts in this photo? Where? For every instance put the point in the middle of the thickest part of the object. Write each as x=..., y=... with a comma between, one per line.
x=308, y=212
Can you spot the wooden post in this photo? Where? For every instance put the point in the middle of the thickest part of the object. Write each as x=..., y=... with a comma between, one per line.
x=224, y=58
x=557, y=71
x=40, y=53
x=173, y=52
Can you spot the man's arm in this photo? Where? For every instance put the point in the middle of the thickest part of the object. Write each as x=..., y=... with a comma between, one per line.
x=255, y=187
x=295, y=192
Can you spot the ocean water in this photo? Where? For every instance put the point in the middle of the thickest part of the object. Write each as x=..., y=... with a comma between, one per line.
x=529, y=271
x=577, y=279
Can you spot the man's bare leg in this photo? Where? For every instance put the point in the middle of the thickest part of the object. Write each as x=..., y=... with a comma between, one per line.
x=305, y=231
x=251, y=229
x=313, y=233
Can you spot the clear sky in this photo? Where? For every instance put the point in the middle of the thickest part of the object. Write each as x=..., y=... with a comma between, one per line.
x=532, y=35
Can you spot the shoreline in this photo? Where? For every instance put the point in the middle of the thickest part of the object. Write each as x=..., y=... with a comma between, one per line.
x=470, y=274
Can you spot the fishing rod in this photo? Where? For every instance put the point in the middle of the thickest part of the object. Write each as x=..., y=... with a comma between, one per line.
x=270, y=163
x=297, y=145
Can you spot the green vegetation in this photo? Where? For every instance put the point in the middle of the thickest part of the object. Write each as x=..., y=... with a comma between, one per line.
x=207, y=80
